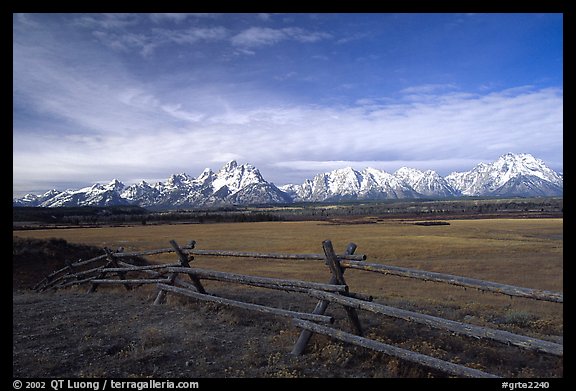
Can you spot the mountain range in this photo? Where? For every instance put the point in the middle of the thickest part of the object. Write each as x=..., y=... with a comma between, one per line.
x=511, y=175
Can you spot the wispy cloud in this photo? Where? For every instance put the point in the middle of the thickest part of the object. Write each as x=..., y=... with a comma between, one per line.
x=428, y=88
x=147, y=43
x=126, y=32
x=178, y=17
x=352, y=37
x=107, y=21
x=254, y=37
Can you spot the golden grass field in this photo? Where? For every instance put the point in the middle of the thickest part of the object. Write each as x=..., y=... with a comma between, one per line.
x=522, y=252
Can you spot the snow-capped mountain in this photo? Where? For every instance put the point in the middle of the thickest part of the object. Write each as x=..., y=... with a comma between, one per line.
x=349, y=184
x=232, y=184
x=427, y=183
x=34, y=200
x=95, y=195
x=510, y=175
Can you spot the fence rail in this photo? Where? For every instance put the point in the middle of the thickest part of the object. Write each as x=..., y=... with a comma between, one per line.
x=248, y=306
x=265, y=282
x=304, y=257
x=431, y=362
x=168, y=278
x=467, y=329
x=467, y=282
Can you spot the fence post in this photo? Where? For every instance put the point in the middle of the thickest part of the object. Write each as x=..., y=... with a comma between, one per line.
x=320, y=309
x=161, y=296
x=338, y=272
x=114, y=262
x=111, y=262
x=184, y=262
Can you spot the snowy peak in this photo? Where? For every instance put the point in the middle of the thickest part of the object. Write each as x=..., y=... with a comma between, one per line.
x=229, y=167
x=509, y=175
x=510, y=166
x=35, y=200
x=427, y=183
x=236, y=177
x=114, y=185
x=178, y=180
x=206, y=176
x=232, y=184
x=408, y=175
x=349, y=184
x=343, y=181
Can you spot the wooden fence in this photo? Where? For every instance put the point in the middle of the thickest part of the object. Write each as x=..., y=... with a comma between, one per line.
x=181, y=279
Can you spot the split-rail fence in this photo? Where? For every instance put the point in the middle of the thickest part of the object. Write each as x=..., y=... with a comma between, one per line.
x=112, y=268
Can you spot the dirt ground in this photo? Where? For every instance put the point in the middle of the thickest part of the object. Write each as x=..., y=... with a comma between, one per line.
x=112, y=334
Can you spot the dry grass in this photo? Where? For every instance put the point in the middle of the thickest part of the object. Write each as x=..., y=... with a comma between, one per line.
x=523, y=252
x=491, y=249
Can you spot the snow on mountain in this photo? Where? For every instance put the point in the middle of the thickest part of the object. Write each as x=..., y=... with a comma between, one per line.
x=235, y=178
x=380, y=184
x=95, y=195
x=510, y=175
x=35, y=200
x=427, y=183
x=137, y=191
x=349, y=184
x=260, y=193
x=232, y=184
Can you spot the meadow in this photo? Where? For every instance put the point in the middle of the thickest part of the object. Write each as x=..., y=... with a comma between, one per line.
x=494, y=249
x=522, y=252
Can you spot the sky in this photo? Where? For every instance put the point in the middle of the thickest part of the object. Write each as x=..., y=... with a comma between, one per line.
x=143, y=96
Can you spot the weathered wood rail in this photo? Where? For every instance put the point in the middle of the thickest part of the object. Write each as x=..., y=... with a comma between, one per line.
x=470, y=330
x=113, y=268
x=408, y=355
x=482, y=285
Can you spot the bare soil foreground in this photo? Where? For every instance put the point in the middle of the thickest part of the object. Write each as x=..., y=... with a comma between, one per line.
x=113, y=335
x=119, y=333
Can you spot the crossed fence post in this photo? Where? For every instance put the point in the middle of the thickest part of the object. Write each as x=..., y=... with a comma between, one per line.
x=112, y=262
x=337, y=278
x=184, y=262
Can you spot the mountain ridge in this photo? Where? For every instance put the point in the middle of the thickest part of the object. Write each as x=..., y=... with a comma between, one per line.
x=510, y=175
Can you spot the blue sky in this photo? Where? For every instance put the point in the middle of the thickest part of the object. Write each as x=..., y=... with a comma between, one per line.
x=143, y=96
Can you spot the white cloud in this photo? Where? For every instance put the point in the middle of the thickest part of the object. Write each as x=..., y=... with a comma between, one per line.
x=126, y=127
x=147, y=43
x=264, y=36
x=191, y=35
x=178, y=17
x=26, y=20
x=107, y=21
x=258, y=36
x=428, y=88
x=453, y=133
x=352, y=37
x=126, y=41
x=129, y=32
